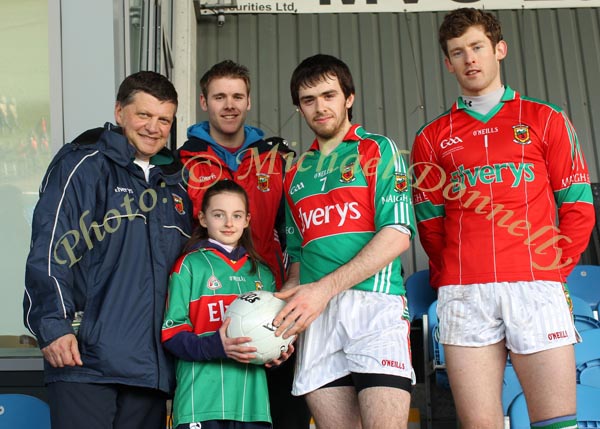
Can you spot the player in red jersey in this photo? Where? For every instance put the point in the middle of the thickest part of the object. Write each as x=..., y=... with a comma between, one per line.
x=493, y=175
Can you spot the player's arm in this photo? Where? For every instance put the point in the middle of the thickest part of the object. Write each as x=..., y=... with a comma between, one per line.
x=391, y=199
x=570, y=182
x=293, y=278
x=307, y=301
x=293, y=243
x=428, y=200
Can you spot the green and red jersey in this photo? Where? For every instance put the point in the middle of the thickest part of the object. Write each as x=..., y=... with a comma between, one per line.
x=501, y=197
x=336, y=203
x=258, y=168
x=201, y=287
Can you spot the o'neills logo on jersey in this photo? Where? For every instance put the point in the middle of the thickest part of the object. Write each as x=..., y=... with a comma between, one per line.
x=521, y=133
x=335, y=215
x=263, y=182
x=347, y=173
x=213, y=283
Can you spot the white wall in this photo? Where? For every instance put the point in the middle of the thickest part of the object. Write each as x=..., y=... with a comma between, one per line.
x=86, y=66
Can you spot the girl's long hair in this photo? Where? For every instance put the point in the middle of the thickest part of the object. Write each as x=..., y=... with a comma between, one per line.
x=201, y=233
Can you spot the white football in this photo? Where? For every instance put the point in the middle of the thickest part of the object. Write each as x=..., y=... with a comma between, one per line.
x=252, y=315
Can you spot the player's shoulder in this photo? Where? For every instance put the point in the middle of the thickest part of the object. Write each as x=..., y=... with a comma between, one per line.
x=541, y=104
x=191, y=258
x=371, y=140
x=305, y=158
x=439, y=120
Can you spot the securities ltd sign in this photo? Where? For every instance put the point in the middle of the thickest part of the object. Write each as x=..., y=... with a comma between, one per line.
x=360, y=6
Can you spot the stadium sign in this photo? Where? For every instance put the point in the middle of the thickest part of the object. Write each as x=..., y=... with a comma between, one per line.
x=360, y=6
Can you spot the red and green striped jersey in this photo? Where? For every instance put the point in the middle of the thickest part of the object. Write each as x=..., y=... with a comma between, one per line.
x=337, y=203
x=201, y=287
x=501, y=197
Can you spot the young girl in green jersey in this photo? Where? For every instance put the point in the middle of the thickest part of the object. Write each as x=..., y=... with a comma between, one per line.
x=217, y=387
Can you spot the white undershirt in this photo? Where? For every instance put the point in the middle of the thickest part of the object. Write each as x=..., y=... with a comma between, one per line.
x=482, y=104
x=145, y=166
x=224, y=246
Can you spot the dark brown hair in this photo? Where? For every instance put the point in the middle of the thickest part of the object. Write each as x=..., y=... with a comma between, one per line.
x=149, y=82
x=317, y=68
x=457, y=22
x=227, y=68
x=201, y=233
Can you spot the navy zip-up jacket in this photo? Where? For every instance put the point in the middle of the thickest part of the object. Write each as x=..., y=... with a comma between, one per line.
x=103, y=243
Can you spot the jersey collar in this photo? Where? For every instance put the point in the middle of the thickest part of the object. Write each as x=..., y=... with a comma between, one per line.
x=509, y=95
x=353, y=135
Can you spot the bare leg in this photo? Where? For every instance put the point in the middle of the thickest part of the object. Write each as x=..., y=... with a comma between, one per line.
x=548, y=381
x=334, y=408
x=476, y=375
x=384, y=408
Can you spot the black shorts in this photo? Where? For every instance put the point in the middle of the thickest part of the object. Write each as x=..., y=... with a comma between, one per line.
x=361, y=381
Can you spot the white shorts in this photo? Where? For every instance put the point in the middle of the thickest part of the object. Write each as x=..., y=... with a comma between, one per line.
x=362, y=332
x=530, y=316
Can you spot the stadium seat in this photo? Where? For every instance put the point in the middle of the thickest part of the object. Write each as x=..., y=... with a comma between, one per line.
x=419, y=294
x=23, y=411
x=581, y=307
x=583, y=315
x=435, y=350
x=433, y=354
x=588, y=411
x=511, y=388
x=587, y=358
x=584, y=282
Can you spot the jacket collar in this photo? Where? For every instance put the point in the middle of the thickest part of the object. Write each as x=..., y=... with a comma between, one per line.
x=114, y=145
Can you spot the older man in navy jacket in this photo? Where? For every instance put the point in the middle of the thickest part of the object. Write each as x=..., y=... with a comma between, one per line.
x=112, y=218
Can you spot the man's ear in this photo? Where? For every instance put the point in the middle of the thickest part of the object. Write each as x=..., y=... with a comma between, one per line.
x=349, y=101
x=203, y=103
x=448, y=65
x=118, y=113
x=501, y=50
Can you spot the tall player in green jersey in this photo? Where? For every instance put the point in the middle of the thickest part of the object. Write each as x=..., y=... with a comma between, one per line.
x=349, y=217
x=217, y=387
x=494, y=173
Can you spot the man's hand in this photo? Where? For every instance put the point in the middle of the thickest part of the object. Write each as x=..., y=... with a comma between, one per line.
x=234, y=347
x=63, y=352
x=304, y=304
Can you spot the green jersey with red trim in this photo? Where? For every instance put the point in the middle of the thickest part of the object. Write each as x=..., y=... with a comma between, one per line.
x=489, y=190
x=336, y=203
x=201, y=287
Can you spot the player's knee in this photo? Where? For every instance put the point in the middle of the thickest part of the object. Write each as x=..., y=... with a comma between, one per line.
x=480, y=420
